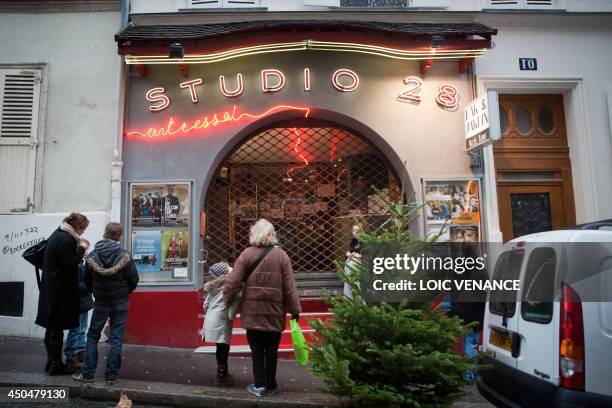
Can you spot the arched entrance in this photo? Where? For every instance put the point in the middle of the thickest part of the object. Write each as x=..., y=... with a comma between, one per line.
x=310, y=177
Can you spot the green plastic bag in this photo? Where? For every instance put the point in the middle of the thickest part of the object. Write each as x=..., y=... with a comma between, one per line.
x=300, y=347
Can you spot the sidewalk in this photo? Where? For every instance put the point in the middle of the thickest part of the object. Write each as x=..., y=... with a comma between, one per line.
x=164, y=376
x=173, y=377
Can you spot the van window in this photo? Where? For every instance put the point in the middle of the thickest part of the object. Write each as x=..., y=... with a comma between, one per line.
x=508, y=267
x=539, y=286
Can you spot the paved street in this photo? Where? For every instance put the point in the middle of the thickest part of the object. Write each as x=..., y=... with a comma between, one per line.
x=156, y=376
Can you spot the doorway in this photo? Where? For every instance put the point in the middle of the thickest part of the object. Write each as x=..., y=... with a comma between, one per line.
x=310, y=178
x=533, y=167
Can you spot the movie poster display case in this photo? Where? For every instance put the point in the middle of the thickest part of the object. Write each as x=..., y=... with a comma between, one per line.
x=452, y=209
x=159, y=235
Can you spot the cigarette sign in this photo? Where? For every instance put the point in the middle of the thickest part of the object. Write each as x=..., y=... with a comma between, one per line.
x=481, y=121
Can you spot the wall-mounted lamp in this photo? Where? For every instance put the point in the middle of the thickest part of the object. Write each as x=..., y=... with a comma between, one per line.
x=176, y=50
x=437, y=41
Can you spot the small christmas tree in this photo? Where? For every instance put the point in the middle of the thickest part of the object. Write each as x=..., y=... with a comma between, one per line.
x=389, y=354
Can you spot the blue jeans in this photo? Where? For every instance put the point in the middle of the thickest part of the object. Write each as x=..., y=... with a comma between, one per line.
x=75, y=341
x=470, y=349
x=117, y=315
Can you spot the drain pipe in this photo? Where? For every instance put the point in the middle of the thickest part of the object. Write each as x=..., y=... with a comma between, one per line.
x=117, y=163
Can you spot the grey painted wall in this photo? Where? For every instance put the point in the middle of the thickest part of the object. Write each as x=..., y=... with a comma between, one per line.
x=80, y=56
x=428, y=138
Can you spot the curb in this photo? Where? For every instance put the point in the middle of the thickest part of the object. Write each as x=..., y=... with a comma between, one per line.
x=176, y=395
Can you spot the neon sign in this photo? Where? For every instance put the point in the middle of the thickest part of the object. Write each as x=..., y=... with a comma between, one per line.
x=176, y=128
x=272, y=80
x=299, y=155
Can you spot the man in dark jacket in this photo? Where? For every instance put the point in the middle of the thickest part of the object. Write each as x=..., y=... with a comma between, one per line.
x=58, y=301
x=111, y=275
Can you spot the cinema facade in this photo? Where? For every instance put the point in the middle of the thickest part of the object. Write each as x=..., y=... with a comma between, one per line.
x=301, y=122
x=295, y=121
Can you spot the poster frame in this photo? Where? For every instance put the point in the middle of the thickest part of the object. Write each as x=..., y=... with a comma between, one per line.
x=453, y=179
x=129, y=228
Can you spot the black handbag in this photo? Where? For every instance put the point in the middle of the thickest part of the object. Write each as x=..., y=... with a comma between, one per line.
x=36, y=255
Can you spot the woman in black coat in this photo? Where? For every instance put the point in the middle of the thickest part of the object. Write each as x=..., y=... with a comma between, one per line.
x=58, y=301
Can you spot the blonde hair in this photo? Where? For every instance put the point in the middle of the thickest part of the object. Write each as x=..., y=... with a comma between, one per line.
x=262, y=234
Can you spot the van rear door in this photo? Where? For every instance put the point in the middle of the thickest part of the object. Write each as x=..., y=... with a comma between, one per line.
x=500, y=338
x=538, y=323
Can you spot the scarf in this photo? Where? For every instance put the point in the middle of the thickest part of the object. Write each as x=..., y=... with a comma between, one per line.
x=68, y=228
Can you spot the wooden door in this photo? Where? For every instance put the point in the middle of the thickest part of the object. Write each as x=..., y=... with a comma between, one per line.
x=532, y=164
x=527, y=209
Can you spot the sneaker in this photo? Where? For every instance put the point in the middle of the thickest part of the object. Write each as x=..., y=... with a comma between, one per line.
x=82, y=378
x=270, y=392
x=110, y=380
x=257, y=391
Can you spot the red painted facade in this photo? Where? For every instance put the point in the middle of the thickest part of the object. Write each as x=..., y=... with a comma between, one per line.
x=174, y=318
x=168, y=318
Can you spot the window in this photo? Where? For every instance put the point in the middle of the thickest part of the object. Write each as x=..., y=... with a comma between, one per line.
x=528, y=4
x=191, y=4
x=508, y=267
x=539, y=286
x=19, y=110
x=432, y=4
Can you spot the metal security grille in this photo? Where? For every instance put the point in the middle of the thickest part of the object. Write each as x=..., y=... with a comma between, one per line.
x=309, y=179
x=11, y=299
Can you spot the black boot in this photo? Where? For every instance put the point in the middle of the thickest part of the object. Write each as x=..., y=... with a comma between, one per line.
x=48, y=347
x=224, y=378
x=57, y=366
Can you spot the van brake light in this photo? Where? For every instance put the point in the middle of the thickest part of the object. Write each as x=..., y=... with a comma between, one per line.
x=571, y=340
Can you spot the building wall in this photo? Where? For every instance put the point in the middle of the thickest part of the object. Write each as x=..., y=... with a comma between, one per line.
x=156, y=6
x=18, y=232
x=80, y=73
x=426, y=137
x=567, y=52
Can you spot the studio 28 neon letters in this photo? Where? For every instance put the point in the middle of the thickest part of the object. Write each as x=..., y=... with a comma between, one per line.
x=274, y=80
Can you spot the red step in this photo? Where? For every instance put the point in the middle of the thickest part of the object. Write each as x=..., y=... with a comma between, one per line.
x=311, y=309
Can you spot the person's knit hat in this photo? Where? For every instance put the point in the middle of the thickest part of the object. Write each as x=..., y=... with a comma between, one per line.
x=218, y=269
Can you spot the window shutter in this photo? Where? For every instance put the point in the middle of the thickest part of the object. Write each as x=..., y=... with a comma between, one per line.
x=206, y=3
x=510, y=3
x=322, y=3
x=222, y=3
x=527, y=4
x=19, y=112
x=240, y=3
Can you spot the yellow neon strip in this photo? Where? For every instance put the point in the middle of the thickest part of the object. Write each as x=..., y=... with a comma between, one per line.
x=387, y=52
x=297, y=44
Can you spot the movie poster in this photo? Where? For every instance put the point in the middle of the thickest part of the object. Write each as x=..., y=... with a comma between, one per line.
x=175, y=249
x=464, y=233
x=146, y=250
x=160, y=204
x=455, y=203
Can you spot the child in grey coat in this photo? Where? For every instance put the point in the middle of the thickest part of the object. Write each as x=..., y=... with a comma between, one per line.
x=218, y=320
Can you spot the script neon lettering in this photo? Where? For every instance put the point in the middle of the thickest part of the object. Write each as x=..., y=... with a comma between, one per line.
x=227, y=117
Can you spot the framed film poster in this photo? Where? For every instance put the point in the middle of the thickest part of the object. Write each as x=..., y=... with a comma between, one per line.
x=159, y=230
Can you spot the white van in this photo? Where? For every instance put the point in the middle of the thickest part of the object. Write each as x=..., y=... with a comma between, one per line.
x=552, y=353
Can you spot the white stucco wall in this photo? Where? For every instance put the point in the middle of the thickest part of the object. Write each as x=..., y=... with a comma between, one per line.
x=17, y=232
x=580, y=55
x=80, y=72
x=80, y=56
